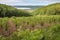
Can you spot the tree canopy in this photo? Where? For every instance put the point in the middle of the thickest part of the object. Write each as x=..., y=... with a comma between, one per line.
x=9, y=11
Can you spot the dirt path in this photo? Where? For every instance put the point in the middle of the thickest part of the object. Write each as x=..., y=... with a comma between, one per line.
x=10, y=30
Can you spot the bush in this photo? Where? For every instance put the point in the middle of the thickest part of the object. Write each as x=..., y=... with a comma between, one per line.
x=53, y=33
x=31, y=35
x=24, y=35
x=29, y=28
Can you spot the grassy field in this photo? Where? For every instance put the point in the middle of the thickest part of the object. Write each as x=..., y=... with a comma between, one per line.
x=32, y=28
x=23, y=25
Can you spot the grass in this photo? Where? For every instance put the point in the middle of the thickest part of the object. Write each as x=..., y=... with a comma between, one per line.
x=53, y=9
x=32, y=28
x=36, y=27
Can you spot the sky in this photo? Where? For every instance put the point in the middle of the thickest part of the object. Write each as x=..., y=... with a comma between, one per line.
x=28, y=2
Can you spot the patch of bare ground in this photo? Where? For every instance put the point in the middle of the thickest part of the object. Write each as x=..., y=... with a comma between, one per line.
x=11, y=28
x=23, y=26
x=45, y=25
x=29, y=10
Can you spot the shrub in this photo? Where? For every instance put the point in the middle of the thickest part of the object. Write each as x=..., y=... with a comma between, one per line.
x=48, y=32
x=24, y=35
x=53, y=33
x=30, y=35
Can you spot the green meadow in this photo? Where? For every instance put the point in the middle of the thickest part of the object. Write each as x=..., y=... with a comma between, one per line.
x=41, y=24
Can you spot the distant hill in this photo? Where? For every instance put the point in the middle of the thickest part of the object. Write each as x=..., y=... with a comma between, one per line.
x=9, y=11
x=27, y=7
x=52, y=9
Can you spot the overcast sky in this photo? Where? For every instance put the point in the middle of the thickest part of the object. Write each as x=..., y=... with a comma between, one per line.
x=28, y=2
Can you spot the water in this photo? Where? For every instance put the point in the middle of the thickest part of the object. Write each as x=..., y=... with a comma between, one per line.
x=27, y=7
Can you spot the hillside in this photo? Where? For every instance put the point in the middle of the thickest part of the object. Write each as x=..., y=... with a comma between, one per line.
x=52, y=9
x=44, y=25
x=9, y=11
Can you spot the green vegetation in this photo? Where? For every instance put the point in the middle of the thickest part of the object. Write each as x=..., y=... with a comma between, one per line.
x=53, y=33
x=43, y=25
x=9, y=11
x=32, y=28
x=25, y=35
x=53, y=9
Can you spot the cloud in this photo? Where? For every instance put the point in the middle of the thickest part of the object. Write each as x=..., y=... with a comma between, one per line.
x=41, y=0
x=9, y=0
x=28, y=2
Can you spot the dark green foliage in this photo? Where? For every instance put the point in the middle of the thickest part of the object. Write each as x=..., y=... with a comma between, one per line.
x=35, y=33
x=53, y=9
x=44, y=26
x=24, y=35
x=53, y=33
x=9, y=11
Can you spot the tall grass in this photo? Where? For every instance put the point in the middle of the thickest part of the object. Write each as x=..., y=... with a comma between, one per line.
x=31, y=28
x=52, y=9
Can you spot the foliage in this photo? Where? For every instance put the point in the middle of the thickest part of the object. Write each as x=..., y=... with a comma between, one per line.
x=9, y=11
x=37, y=19
x=3, y=23
x=30, y=35
x=44, y=26
x=53, y=33
x=26, y=28
x=53, y=9
x=25, y=35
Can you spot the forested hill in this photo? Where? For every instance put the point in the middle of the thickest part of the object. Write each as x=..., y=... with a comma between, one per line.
x=9, y=11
